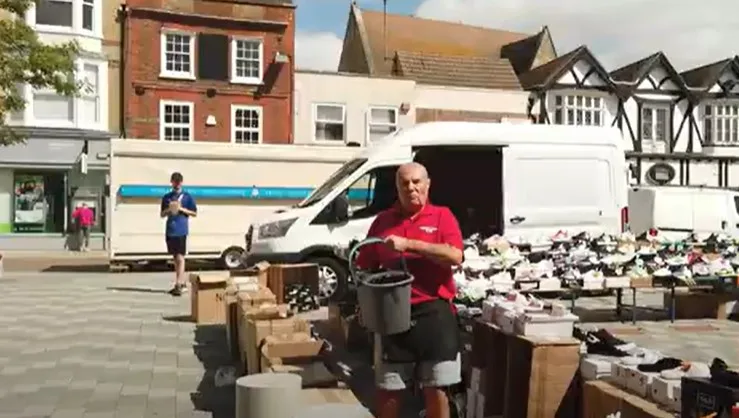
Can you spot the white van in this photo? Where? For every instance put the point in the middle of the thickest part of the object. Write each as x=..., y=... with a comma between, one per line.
x=678, y=211
x=521, y=180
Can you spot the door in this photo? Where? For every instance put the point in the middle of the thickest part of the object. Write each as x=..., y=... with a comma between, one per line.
x=559, y=187
x=710, y=211
x=732, y=221
x=372, y=193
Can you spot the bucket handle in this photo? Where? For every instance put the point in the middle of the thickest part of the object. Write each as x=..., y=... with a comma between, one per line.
x=353, y=267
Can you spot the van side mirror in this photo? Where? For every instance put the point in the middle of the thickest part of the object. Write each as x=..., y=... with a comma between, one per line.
x=340, y=209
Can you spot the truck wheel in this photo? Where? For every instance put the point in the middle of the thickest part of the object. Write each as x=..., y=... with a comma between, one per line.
x=332, y=278
x=232, y=258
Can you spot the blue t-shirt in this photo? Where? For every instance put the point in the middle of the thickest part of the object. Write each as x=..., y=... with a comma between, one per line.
x=177, y=225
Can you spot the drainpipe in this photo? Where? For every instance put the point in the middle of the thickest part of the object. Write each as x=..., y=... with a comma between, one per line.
x=122, y=22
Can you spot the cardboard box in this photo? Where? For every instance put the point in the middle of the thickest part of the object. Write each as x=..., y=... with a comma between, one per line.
x=601, y=399
x=282, y=275
x=236, y=304
x=299, y=354
x=231, y=308
x=542, y=377
x=701, y=398
x=207, y=297
x=641, y=282
x=699, y=305
x=324, y=396
x=253, y=331
x=259, y=272
x=248, y=299
x=496, y=371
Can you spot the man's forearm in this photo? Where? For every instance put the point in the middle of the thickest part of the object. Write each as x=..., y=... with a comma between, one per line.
x=164, y=213
x=442, y=253
x=188, y=212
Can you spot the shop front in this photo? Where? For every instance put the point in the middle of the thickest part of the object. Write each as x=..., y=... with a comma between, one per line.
x=42, y=182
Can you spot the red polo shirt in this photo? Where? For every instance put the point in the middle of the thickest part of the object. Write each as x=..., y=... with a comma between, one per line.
x=433, y=224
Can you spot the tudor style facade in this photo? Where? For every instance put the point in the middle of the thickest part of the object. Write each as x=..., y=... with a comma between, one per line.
x=572, y=89
x=715, y=107
x=653, y=105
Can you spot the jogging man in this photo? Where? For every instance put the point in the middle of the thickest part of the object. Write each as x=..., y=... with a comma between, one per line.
x=429, y=238
x=178, y=206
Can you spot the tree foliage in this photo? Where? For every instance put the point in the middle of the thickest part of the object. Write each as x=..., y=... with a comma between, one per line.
x=24, y=59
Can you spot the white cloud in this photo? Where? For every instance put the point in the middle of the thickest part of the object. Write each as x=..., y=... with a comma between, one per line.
x=317, y=50
x=617, y=32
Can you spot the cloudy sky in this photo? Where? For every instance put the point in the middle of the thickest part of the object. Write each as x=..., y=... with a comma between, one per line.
x=618, y=32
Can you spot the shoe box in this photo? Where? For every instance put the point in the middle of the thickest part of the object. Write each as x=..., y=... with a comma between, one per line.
x=701, y=397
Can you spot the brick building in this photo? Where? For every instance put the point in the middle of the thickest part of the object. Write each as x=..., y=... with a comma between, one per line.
x=199, y=70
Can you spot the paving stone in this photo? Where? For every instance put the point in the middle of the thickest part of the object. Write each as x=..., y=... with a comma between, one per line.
x=68, y=413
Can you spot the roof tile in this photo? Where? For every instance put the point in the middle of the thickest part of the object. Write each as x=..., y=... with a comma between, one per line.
x=409, y=33
x=462, y=71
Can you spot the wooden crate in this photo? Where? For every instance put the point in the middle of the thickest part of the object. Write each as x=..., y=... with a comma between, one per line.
x=541, y=377
x=282, y=275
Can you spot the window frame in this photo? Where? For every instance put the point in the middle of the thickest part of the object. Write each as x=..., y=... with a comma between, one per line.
x=85, y=95
x=235, y=79
x=50, y=92
x=56, y=28
x=163, y=72
x=315, y=121
x=163, y=124
x=234, y=128
x=83, y=4
x=371, y=124
x=654, y=107
x=564, y=107
x=733, y=119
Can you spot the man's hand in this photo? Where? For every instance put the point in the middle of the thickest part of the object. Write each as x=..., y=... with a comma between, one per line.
x=397, y=243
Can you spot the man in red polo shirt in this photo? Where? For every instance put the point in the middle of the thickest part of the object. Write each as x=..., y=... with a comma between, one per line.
x=429, y=238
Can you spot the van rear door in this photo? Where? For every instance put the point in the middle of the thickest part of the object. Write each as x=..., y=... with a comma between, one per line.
x=710, y=210
x=561, y=187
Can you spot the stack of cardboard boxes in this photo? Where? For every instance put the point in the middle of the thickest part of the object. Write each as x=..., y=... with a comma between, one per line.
x=262, y=332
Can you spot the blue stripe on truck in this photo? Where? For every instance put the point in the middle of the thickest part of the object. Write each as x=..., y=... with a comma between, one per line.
x=227, y=192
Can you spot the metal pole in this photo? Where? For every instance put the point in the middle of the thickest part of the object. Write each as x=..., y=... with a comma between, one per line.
x=377, y=355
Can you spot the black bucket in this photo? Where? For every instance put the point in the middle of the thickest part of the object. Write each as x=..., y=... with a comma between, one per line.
x=384, y=297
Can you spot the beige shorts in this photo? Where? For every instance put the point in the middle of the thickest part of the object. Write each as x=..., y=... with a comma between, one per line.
x=397, y=376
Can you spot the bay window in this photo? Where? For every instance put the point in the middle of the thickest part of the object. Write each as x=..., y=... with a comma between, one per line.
x=86, y=110
x=50, y=106
x=578, y=110
x=73, y=16
x=89, y=97
x=721, y=123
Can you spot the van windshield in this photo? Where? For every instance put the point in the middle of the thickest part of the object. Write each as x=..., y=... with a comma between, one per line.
x=345, y=171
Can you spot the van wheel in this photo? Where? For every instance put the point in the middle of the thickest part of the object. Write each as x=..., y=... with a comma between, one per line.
x=332, y=278
x=232, y=258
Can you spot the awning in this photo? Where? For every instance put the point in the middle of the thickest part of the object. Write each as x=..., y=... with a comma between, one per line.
x=44, y=152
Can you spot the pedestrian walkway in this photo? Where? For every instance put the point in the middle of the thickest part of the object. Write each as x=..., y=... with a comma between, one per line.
x=54, y=260
x=105, y=345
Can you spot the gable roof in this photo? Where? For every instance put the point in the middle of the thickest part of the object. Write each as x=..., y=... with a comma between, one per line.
x=462, y=71
x=543, y=76
x=522, y=53
x=634, y=73
x=409, y=33
x=705, y=76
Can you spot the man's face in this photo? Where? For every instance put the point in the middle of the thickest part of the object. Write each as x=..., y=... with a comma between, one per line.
x=413, y=186
x=176, y=184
